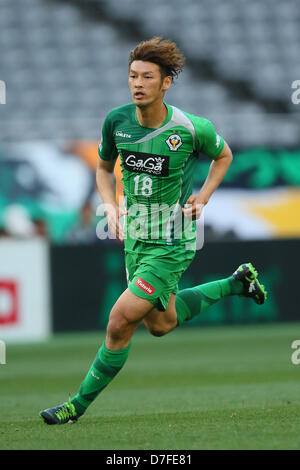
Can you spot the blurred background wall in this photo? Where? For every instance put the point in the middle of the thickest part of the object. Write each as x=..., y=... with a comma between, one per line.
x=64, y=66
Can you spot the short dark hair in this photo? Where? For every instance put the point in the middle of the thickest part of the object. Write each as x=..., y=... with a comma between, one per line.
x=162, y=52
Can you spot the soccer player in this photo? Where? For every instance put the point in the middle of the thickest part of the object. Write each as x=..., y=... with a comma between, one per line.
x=158, y=145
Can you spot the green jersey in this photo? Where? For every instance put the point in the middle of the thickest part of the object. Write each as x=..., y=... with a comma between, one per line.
x=158, y=167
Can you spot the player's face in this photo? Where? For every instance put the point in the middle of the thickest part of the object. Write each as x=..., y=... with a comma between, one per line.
x=146, y=83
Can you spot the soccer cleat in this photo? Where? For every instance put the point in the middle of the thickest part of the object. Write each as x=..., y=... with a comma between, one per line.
x=61, y=414
x=247, y=274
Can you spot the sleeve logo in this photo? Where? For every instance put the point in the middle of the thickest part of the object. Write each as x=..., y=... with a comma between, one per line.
x=123, y=134
x=174, y=142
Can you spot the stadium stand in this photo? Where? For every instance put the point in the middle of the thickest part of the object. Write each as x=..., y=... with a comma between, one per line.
x=65, y=63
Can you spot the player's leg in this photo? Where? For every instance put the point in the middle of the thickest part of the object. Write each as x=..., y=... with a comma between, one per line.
x=124, y=318
x=172, y=310
x=189, y=303
x=158, y=322
x=243, y=282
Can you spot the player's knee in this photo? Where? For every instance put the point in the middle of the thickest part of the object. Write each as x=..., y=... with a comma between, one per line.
x=160, y=330
x=157, y=332
x=116, y=328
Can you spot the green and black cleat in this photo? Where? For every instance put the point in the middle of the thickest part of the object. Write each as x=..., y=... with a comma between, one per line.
x=61, y=414
x=247, y=274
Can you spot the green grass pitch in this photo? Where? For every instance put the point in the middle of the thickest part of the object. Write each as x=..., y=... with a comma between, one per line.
x=196, y=388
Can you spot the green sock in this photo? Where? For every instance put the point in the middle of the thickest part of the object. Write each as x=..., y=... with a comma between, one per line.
x=104, y=368
x=191, y=302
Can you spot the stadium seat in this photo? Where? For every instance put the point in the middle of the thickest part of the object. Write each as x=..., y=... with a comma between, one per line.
x=59, y=63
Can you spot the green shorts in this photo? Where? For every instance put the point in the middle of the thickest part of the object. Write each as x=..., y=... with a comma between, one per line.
x=153, y=271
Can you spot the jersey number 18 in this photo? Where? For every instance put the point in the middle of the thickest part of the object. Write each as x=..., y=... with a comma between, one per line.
x=146, y=188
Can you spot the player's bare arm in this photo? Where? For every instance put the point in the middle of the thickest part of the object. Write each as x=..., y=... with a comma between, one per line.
x=106, y=186
x=217, y=171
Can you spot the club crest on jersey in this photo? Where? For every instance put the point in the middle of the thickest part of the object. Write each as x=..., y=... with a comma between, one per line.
x=174, y=142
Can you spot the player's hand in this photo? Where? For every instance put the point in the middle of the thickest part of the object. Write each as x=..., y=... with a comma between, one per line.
x=193, y=207
x=113, y=214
